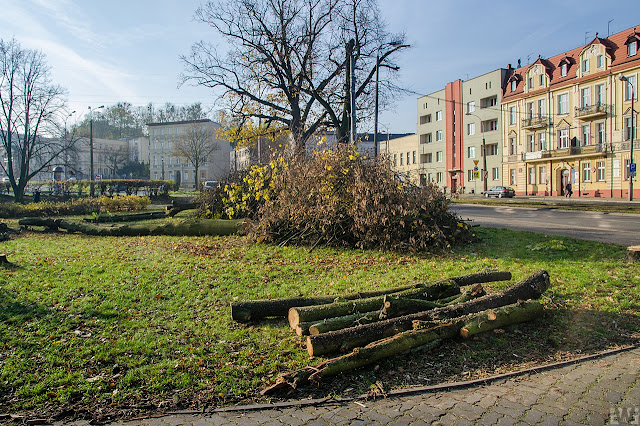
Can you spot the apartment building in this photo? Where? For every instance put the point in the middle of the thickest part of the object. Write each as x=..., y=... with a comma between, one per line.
x=459, y=132
x=167, y=163
x=404, y=156
x=568, y=120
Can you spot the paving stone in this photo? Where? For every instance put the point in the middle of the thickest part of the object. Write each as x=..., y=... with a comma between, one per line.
x=487, y=401
x=490, y=418
x=506, y=421
x=550, y=408
x=403, y=421
x=578, y=415
x=595, y=419
x=288, y=419
x=533, y=416
x=377, y=417
x=468, y=411
x=449, y=419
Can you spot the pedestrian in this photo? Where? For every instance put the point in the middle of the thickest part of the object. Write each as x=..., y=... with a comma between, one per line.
x=36, y=196
x=568, y=191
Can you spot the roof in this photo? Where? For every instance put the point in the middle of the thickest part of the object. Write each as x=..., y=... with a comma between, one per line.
x=616, y=49
x=179, y=122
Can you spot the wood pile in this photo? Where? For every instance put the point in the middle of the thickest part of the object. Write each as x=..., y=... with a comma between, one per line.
x=369, y=326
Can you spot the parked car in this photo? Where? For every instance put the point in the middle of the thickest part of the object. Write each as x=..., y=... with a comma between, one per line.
x=499, y=192
x=211, y=184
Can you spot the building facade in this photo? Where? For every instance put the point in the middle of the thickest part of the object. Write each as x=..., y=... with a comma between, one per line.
x=459, y=132
x=404, y=156
x=568, y=120
x=167, y=164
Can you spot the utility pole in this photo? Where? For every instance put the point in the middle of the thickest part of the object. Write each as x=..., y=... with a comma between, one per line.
x=92, y=184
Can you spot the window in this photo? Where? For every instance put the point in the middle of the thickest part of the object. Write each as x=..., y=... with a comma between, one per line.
x=425, y=158
x=438, y=115
x=489, y=102
x=600, y=127
x=629, y=86
x=470, y=175
x=627, y=128
x=155, y=160
x=512, y=146
x=586, y=135
x=471, y=128
x=408, y=158
x=532, y=175
x=627, y=163
x=542, y=141
x=438, y=135
x=563, y=103
x=530, y=85
x=395, y=160
x=471, y=106
x=563, y=70
x=492, y=149
x=425, y=138
x=530, y=110
x=542, y=107
x=414, y=157
x=425, y=119
x=563, y=138
x=439, y=157
x=155, y=175
x=600, y=94
x=495, y=173
x=600, y=61
x=541, y=80
x=531, y=139
x=632, y=48
x=542, y=171
x=439, y=177
x=586, y=97
x=585, y=65
x=512, y=176
x=586, y=172
x=512, y=115
x=402, y=158
x=430, y=177
x=600, y=171
x=490, y=125
x=514, y=84
x=471, y=152
x=155, y=144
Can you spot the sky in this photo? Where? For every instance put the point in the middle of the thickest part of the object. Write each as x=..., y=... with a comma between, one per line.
x=108, y=52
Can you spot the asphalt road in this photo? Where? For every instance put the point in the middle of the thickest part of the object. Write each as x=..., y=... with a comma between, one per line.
x=614, y=228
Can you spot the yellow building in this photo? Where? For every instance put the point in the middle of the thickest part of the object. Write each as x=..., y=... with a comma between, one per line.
x=404, y=156
x=567, y=120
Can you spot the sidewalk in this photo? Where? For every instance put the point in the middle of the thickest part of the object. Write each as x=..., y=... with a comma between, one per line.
x=555, y=200
x=598, y=391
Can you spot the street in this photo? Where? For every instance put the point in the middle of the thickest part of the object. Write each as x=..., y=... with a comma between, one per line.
x=614, y=228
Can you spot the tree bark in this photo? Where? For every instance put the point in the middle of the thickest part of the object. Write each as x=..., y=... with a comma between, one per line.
x=127, y=217
x=393, y=306
x=359, y=357
x=346, y=339
x=319, y=312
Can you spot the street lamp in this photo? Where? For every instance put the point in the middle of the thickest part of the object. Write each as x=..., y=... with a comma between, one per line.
x=633, y=122
x=92, y=186
x=485, y=173
x=399, y=45
x=66, y=147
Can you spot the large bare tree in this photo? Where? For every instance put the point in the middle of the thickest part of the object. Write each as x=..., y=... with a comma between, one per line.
x=196, y=145
x=31, y=110
x=285, y=61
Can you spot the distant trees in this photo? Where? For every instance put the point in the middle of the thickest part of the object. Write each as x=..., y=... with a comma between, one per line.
x=32, y=108
x=287, y=61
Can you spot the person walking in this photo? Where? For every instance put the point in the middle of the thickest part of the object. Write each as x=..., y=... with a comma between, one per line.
x=568, y=192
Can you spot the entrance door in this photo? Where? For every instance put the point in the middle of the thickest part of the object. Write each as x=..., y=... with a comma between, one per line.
x=178, y=178
x=565, y=178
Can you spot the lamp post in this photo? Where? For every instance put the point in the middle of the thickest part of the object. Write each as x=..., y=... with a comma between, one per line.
x=485, y=173
x=66, y=147
x=633, y=122
x=92, y=186
x=375, y=120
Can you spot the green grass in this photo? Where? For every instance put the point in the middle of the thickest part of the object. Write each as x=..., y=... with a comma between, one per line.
x=136, y=323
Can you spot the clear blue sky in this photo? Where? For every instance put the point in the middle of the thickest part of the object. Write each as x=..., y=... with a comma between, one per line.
x=103, y=52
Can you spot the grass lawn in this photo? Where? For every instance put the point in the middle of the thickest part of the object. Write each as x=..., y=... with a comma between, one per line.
x=113, y=327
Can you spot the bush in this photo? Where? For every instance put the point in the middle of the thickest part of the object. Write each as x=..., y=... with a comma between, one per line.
x=339, y=198
x=74, y=207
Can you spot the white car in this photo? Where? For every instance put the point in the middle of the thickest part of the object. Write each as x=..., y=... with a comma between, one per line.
x=211, y=184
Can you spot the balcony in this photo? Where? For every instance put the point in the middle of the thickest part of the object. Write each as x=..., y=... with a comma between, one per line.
x=592, y=111
x=567, y=152
x=535, y=122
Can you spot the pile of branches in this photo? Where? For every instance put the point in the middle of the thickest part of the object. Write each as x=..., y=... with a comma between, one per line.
x=367, y=327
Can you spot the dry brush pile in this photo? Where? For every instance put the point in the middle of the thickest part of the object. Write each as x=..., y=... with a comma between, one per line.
x=369, y=326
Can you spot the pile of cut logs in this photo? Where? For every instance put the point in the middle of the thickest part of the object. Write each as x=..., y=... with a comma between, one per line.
x=369, y=326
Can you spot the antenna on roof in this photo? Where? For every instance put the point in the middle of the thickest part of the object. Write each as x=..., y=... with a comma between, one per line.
x=609, y=32
x=585, y=36
x=528, y=57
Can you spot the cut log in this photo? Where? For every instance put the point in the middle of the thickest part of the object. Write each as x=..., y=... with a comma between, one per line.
x=346, y=339
x=252, y=310
x=177, y=207
x=132, y=217
x=316, y=313
x=633, y=254
x=51, y=224
x=4, y=261
x=359, y=357
x=393, y=306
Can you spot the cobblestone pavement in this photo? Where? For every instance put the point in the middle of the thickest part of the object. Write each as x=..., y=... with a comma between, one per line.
x=599, y=391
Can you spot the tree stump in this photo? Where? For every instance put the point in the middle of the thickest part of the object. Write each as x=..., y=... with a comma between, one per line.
x=633, y=254
x=4, y=260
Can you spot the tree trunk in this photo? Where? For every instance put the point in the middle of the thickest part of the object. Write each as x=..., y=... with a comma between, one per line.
x=392, y=306
x=127, y=217
x=428, y=291
x=346, y=339
x=479, y=322
x=252, y=310
x=319, y=312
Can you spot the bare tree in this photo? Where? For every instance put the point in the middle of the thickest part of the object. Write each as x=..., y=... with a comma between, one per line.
x=31, y=111
x=286, y=61
x=196, y=145
x=116, y=158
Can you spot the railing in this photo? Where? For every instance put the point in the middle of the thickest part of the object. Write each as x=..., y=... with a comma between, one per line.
x=535, y=121
x=595, y=110
x=512, y=158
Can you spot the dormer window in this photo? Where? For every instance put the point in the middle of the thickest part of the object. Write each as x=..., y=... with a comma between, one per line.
x=530, y=83
x=563, y=70
x=514, y=84
x=600, y=61
x=632, y=48
x=585, y=66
